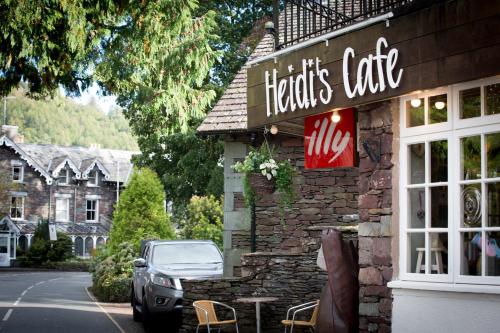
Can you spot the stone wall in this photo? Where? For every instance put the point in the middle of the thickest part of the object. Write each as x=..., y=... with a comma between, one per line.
x=375, y=212
x=292, y=278
x=325, y=197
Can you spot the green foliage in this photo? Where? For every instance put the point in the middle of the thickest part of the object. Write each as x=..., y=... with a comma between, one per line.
x=261, y=161
x=189, y=166
x=204, y=219
x=43, y=250
x=140, y=213
x=112, y=273
x=60, y=120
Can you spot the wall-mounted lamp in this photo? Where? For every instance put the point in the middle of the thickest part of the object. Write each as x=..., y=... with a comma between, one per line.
x=372, y=149
x=440, y=105
x=274, y=130
x=269, y=26
x=335, y=116
x=416, y=102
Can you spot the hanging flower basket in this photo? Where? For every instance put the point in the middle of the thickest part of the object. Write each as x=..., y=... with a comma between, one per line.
x=261, y=184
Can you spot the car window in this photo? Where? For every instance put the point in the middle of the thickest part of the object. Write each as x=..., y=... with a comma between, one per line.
x=145, y=252
x=186, y=253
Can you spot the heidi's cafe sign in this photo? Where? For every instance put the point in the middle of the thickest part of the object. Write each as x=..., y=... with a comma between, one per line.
x=312, y=86
x=329, y=137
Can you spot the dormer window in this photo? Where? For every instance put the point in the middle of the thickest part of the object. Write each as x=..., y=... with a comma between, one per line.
x=64, y=177
x=93, y=179
x=17, y=172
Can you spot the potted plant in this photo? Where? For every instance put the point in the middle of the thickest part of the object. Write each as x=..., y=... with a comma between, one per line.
x=263, y=174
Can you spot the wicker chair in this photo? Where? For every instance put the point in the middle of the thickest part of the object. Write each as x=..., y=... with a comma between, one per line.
x=207, y=317
x=293, y=311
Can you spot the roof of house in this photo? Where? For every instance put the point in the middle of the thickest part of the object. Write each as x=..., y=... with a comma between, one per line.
x=230, y=112
x=116, y=165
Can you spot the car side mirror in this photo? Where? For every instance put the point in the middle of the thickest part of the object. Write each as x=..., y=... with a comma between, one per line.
x=140, y=262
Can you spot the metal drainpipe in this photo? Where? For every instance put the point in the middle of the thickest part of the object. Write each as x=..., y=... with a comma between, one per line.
x=253, y=226
x=50, y=203
x=74, y=207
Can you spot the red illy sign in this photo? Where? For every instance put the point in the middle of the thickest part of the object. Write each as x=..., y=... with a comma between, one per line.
x=329, y=144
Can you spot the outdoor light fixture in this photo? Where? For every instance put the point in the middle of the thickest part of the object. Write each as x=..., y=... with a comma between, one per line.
x=440, y=105
x=335, y=116
x=274, y=130
x=269, y=26
x=416, y=102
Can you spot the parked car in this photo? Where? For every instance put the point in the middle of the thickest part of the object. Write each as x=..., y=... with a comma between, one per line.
x=156, y=284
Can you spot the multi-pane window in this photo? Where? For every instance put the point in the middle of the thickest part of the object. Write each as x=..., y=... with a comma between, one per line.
x=17, y=173
x=64, y=176
x=450, y=184
x=92, y=210
x=93, y=178
x=62, y=209
x=17, y=207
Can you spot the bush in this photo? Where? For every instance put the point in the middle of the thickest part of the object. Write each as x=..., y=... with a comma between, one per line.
x=112, y=273
x=43, y=250
x=204, y=219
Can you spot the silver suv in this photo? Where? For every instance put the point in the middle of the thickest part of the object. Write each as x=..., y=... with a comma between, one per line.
x=156, y=285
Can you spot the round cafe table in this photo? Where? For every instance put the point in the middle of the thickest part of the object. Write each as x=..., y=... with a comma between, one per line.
x=257, y=301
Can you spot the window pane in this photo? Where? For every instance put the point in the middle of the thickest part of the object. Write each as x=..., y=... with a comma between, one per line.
x=417, y=163
x=415, y=112
x=471, y=253
x=493, y=254
x=492, y=98
x=439, y=250
x=493, y=155
x=493, y=204
x=471, y=205
x=471, y=157
x=439, y=207
x=416, y=253
x=439, y=161
x=470, y=103
x=438, y=110
x=416, y=212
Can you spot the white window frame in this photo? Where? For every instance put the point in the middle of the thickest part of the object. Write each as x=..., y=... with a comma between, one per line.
x=20, y=165
x=452, y=130
x=95, y=210
x=64, y=179
x=22, y=207
x=58, y=202
x=95, y=183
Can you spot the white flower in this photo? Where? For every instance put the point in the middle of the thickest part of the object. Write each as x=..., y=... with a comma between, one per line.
x=272, y=161
x=262, y=166
x=273, y=172
x=263, y=172
x=269, y=177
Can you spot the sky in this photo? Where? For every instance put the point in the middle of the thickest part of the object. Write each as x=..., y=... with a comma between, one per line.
x=105, y=103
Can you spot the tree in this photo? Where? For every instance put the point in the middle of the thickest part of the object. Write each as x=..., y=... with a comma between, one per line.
x=204, y=219
x=154, y=55
x=189, y=166
x=140, y=213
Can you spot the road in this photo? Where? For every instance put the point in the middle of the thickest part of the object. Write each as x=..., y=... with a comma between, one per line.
x=53, y=302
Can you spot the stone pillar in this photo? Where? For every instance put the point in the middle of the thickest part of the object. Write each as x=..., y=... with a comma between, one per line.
x=236, y=223
x=28, y=237
x=375, y=209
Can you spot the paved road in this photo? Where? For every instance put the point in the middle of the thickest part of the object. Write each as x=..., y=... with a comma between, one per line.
x=50, y=302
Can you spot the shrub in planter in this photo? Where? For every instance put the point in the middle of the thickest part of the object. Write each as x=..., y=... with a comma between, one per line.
x=112, y=274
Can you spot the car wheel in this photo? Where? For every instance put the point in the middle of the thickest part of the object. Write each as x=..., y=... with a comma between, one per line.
x=135, y=313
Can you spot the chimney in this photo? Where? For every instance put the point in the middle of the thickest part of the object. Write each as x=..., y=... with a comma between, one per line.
x=12, y=132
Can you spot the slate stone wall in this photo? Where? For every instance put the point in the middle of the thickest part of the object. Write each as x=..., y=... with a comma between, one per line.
x=325, y=197
x=375, y=213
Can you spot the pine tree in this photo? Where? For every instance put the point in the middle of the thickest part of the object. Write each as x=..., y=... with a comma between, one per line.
x=140, y=213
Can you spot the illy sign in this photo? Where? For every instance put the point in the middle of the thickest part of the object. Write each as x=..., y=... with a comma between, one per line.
x=327, y=143
x=310, y=87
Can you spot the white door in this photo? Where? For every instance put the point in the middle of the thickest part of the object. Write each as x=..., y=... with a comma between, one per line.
x=4, y=250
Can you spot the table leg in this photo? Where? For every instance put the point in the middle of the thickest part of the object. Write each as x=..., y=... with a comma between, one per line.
x=257, y=314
